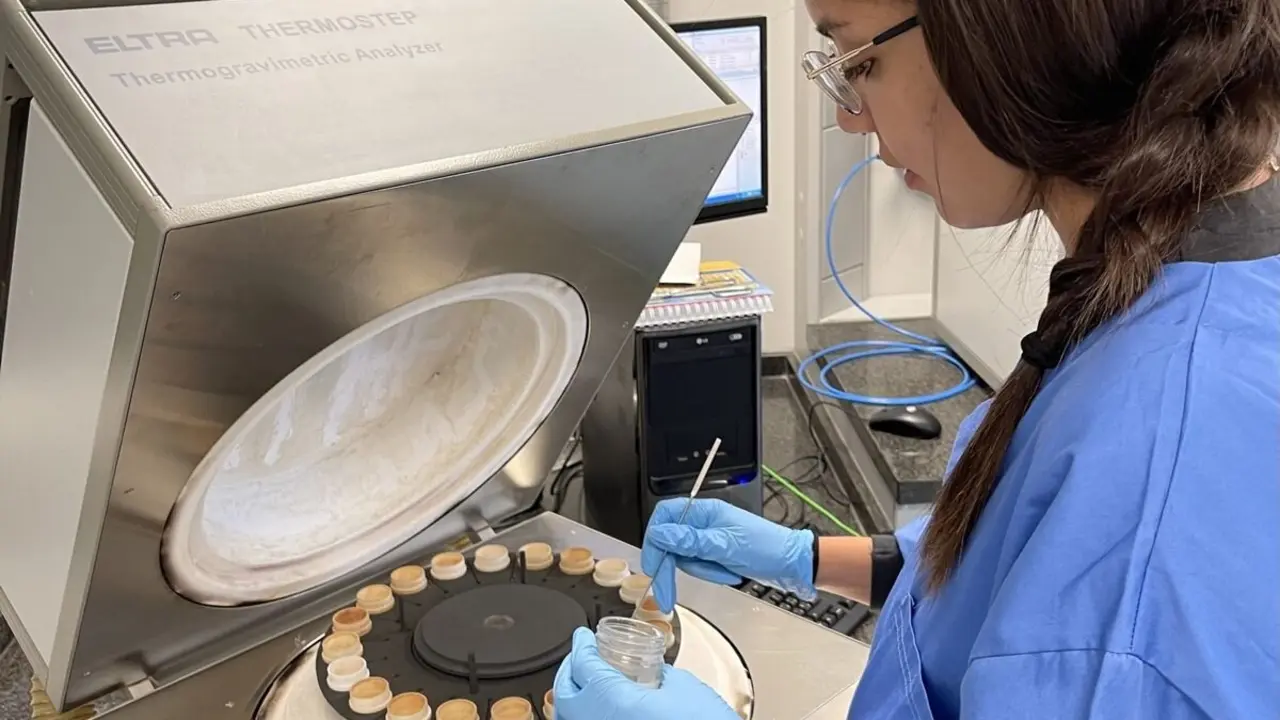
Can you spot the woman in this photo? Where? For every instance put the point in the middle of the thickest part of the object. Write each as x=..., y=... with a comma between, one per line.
x=1108, y=542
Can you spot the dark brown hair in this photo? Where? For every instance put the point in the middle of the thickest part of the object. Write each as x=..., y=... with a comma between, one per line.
x=1157, y=106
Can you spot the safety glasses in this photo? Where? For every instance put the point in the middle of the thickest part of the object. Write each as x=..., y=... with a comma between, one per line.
x=830, y=72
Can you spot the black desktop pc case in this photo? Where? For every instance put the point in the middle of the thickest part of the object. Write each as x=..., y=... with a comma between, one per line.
x=670, y=394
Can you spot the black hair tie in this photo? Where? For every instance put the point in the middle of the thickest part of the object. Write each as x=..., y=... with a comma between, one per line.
x=1039, y=354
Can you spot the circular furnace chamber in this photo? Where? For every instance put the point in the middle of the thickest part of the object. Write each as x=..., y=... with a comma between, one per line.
x=374, y=439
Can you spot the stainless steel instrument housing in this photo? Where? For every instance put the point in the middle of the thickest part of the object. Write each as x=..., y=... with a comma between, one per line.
x=222, y=299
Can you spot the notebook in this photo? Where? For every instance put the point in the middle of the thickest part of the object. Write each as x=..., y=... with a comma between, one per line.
x=724, y=290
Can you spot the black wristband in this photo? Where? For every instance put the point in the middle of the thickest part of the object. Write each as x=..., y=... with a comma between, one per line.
x=886, y=565
x=817, y=542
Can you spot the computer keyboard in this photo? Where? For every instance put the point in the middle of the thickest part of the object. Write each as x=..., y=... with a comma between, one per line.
x=840, y=614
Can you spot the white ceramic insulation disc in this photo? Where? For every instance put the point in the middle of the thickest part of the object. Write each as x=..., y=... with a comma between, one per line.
x=374, y=439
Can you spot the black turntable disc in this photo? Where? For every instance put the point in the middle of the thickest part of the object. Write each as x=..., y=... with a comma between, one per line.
x=484, y=636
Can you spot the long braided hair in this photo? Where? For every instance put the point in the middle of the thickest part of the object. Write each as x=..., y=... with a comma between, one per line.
x=1156, y=106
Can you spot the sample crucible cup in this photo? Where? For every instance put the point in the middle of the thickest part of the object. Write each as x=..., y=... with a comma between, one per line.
x=448, y=566
x=344, y=673
x=577, y=561
x=633, y=588
x=538, y=556
x=409, y=580
x=458, y=710
x=668, y=631
x=353, y=620
x=341, y=645
x=376, y=599
x=409, y=706
x=648, y=610
x=492, y=558
x=549, y=705
x=511, y=708
x=370, y=696
x=611, y=572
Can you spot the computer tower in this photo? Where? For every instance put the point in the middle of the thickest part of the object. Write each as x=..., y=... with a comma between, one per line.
x=670, y=394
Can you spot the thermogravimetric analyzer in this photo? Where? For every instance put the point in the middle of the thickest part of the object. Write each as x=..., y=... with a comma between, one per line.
x=303, y=298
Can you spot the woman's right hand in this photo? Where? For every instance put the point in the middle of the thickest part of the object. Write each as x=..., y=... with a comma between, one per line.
x=723, y=544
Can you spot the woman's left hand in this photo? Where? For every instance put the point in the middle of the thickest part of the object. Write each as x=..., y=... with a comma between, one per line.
x=588, y=688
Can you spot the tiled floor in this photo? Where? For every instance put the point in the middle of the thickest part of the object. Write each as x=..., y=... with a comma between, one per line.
x=15, y=678
x=15, y=681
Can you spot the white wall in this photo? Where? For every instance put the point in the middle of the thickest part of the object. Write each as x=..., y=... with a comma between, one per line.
x=884, y=234
x=764, y=244
x=991, y=286
x=890, y=247
x=902, y=231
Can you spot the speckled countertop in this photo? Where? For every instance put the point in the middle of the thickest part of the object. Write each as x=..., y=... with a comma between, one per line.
x=906, y=461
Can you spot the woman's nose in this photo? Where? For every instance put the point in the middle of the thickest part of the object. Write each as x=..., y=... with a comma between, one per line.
x=851, y=123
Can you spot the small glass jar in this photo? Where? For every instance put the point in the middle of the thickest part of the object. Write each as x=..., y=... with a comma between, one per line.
x=635, y=648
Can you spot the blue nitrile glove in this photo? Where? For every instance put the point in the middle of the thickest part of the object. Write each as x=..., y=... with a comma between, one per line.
x=723, y=544
x=588, y=688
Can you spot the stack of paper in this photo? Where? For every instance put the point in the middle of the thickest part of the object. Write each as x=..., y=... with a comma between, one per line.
x=724, y=290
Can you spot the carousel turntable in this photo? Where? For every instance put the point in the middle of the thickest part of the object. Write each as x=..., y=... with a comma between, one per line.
x=491, y=635
x=313, y=342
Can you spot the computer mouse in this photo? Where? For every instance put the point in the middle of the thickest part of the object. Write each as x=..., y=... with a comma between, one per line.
x=909, y=421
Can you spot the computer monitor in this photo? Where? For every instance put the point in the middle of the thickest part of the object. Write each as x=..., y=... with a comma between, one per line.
x=735, y=51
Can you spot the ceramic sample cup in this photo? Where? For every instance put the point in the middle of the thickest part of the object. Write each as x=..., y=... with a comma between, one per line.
x=633, y=588
x=577, y=561
x=611, y=572
x=492, y=558
x=549, y=705
x=345, y=672
x=353, y=620
x=538, y=556
x=341, y=645
x=648, y=610
x=376, y=599
x=409, y=580
x=448, y=566
x=458, y=710
x=667, y=631
x=409, y=706
x=370, y=696
x=511, y=708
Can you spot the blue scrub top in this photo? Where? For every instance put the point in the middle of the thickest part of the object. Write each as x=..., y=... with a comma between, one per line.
x=1128, y=563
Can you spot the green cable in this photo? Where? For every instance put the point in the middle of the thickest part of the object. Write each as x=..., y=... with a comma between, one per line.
x=791, y=487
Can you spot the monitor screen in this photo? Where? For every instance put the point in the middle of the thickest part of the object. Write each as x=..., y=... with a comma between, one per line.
x=735, y=52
